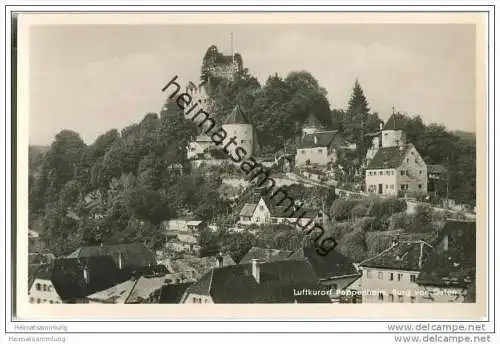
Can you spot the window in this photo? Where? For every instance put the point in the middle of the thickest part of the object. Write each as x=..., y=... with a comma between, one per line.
x=37, y=300
x=381, y=173
x=320, y=150
x=420, y=186
x=386, y=186
x=381, y=296
x=257, y=219
x=38, y=287
x=400, y=298
x=302, y=152
x=261, y=207
x=400, y=276
x=392, y=186
x=391, y=277
x=387, y=173
x=380, y=275
x=412, y=299
x=407, y=160
x=51, y=301
x=412, y=278
x=242, y=141
x=368, y=274
x=391, y=298
x=44, y=287
x=32, y=299
x=402, y=172
x=416, y=160
x=420, y=171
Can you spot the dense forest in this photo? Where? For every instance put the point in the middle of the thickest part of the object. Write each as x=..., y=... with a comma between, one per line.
x=123, y=185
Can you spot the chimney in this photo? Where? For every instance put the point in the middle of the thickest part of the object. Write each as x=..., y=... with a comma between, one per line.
x=445, y=242
x=119, y=260
x=256, y=270
x=381, y=125
x=220, y=260
x=86, y=274
x=421, y=255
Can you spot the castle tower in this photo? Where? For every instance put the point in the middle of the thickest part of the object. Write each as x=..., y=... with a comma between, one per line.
x=392, y=132
x=237, y=125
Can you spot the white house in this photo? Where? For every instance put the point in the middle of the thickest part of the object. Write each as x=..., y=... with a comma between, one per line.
x=41, y=289
x=252, y=213
x=317, y=148
x=391, y=275
x=394, y=169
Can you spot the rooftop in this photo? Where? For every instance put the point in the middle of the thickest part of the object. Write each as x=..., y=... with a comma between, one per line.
x=453, y=261
x=403, y=255
x=278, y=280
x=395, y=122
x=389, y=157
x=236, y=117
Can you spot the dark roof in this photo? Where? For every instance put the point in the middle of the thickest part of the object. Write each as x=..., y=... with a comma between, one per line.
x=265, y=254
x=172, y=293
x=389, y=157
x=248, y=209
x=438, y=169
x=404, y=255
x=68, y=276
x=319, y=139
x=395, y=122
x=312, y=122
x=278, y=280
x=236, y=117
x=334, y=264
x=455, y=266
x=134, y=255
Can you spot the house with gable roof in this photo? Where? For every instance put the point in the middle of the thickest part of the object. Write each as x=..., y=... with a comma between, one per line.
x=259, y=282
x=391, y=276
x=393, y=165
x=450, y=273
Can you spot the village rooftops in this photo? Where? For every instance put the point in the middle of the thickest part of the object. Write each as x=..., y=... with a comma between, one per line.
x=395, y=122
x=130, y=291
x=389, y=157
x=276, y=283
x=453, y=260
x=402, y=255
x=196, y=265
x=236, y=117
x=134, y=255
x=333, y=265
x=76, y=278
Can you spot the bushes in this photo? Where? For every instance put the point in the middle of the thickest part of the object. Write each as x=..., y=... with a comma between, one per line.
x=341, y=209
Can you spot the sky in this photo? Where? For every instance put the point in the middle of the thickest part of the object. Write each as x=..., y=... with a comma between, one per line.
x=93, y=78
